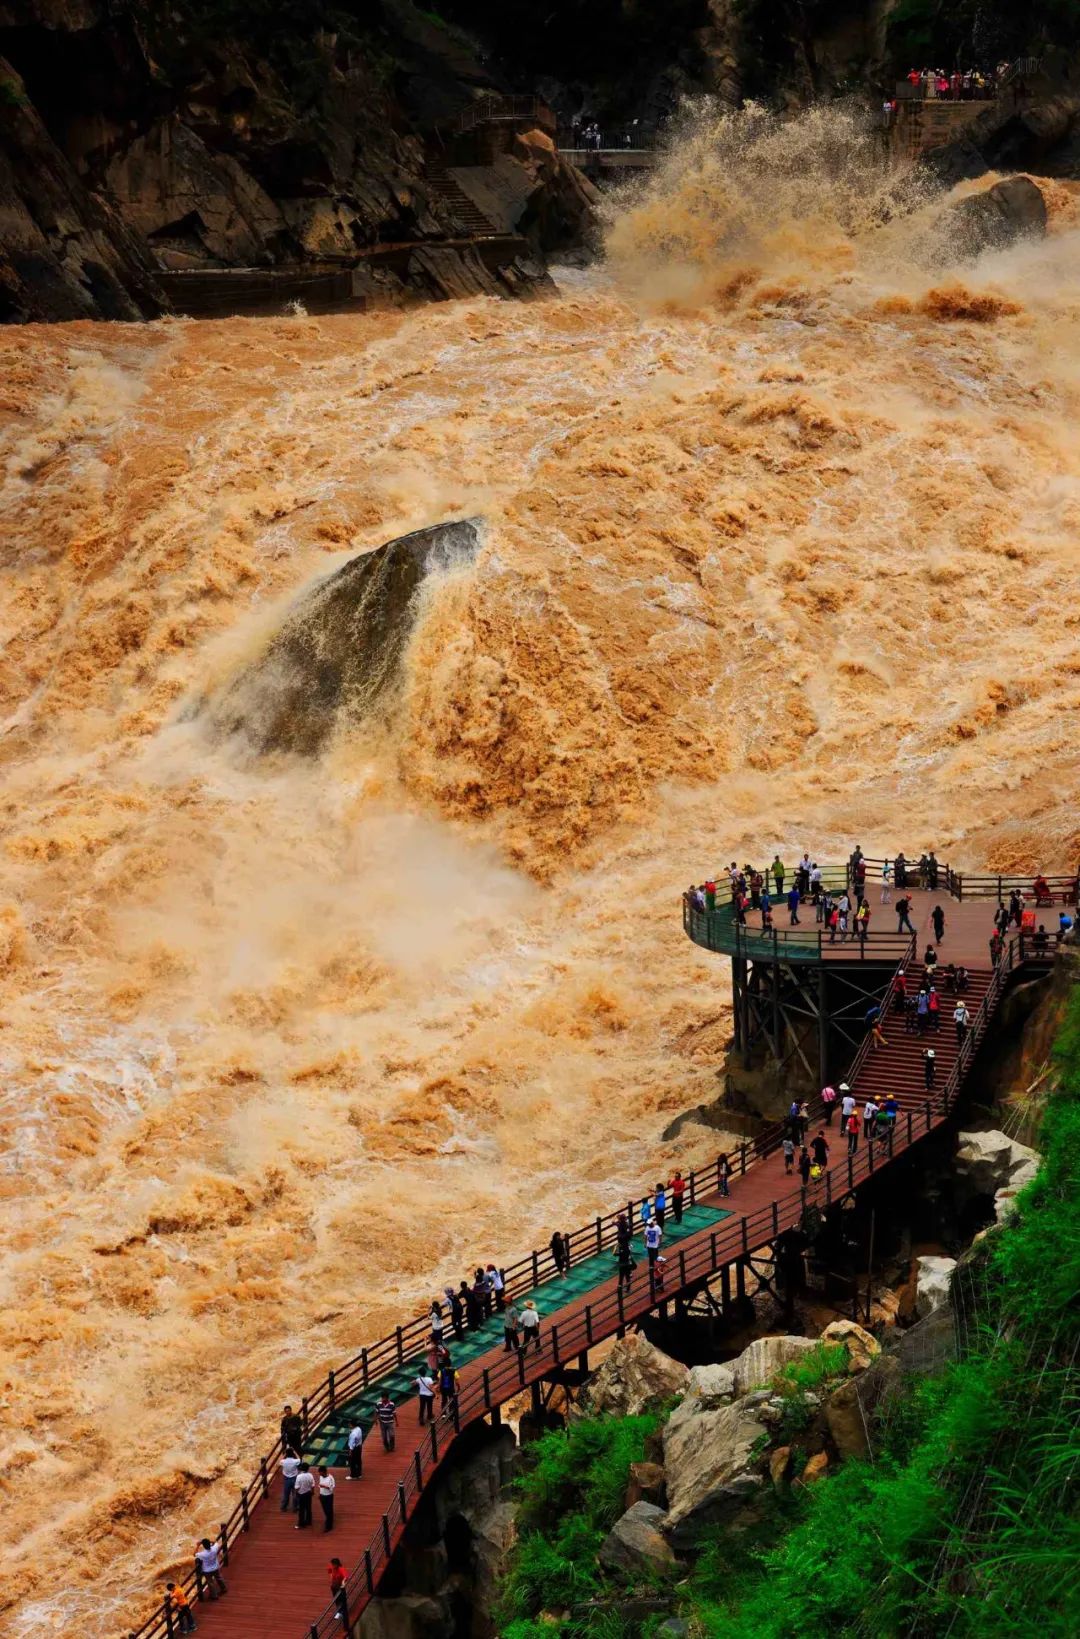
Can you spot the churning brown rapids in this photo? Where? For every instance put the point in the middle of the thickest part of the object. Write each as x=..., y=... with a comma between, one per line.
x=781, y=515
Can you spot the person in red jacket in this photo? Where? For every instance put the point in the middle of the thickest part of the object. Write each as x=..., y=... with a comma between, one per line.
x=339, y=1580
x=677, y=1187
x=851, y=1127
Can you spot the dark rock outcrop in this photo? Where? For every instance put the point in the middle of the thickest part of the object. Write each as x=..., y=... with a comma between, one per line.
x=137, y=137
x=338, y=649
x=1010, y=210
x=1044, y=137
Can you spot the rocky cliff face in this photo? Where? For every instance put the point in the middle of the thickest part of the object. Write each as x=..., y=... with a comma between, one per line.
x=136, y=137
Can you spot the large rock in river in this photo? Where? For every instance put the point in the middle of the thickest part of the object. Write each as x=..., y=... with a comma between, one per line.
x=338, y=648
x=1010, y=210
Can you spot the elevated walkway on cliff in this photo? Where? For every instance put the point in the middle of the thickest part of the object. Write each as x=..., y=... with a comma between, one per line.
x=277, y=1576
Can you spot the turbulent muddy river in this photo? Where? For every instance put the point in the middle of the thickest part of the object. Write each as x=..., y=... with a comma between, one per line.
x=778, y=548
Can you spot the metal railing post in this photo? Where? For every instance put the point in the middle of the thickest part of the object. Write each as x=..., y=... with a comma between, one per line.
x=386, y=1535
x=224, y=1535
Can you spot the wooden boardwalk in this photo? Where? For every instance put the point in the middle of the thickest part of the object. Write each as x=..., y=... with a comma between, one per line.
x=277, y=1576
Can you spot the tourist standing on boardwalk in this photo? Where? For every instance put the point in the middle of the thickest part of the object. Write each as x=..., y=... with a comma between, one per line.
x=793, y=907
x=788, y=1146
x=821, y=1149
x=386, y=1417
x=995, y=947
x=900, y=870
x=177, y=1600
x=723, y=1174
x=304, y=1489
x=482, y=1292
x=805, y=1164
x=457, y=1311
x=425, y=1389
x=646, y=1210
x=530, y=1326
x=435, y=1321
x=627, y=1264
x=660, y=1205
x=862, y=920
x=339, y=1589
x=448, y=1389
x=903, y=915
x=962, y=1021
x=356, y=1452
x=929, y=1067
x=937, y=917
x=474, y=1306
x=778, y=875
x=886, y=878
x=677, y=1186
x=828, y=1100
x=851, y=1127
x=847, y=1105
x=558, y=1252
x=292, y=1432
x=511, y=1327
x=496, y=1287
x=327, y=1487
x=653, y=1236
x=290, y=1468
x=208, y=1576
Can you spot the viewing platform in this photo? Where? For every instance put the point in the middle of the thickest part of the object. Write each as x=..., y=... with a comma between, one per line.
x=731, y=1225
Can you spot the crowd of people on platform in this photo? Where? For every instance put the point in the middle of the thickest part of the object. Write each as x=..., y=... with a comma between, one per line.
x=587, y=132
x=959, y=85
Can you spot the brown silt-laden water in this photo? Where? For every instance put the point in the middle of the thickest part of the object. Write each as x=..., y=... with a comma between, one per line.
x=778, y=549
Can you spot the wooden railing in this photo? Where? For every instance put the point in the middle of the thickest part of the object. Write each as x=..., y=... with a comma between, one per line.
x=493, y=110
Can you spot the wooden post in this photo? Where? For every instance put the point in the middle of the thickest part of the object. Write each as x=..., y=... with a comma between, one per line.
x=740, y=1281
x=487, y=1388
x=555, y=1343
x=244, y=1509
x=224, y=1534
x=725, y=1288
x=368, y=1576
x=588, y=1323
x=330, y=1388
x=775, y=1218
x=400, y=1345
x=264, y=1476
x=599, y=1235
x=364, y=1366
x=386, y=1535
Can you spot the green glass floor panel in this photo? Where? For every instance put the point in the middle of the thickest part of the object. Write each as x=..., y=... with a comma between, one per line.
x=327, y=1442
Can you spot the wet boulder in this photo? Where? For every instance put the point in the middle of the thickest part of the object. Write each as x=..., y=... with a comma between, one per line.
x=992, y=220
x=635, y=1377
x=338, y=649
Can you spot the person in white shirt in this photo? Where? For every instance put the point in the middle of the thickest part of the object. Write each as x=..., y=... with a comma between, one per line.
x=653, y=1236
x=847, y=1102
x=290, y=1468
x=961, y=1019
x=208, y=1568
x=530, y=1325
x=356, y=1452
x=302, y=1490
x=327, y=1487
x=869, y=1118
x=425, y=1388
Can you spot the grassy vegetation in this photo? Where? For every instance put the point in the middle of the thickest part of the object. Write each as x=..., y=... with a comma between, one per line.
x=966, y=1523
x=569, y=1500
